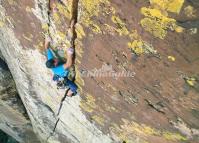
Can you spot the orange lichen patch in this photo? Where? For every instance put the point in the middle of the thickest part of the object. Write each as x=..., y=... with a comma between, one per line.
x=156, y=23
x=169, y=5
x=128, y=129
x=88, y=105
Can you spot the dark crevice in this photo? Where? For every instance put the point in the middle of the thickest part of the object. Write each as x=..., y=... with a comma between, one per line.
x=4, y=138
x=53, y=131
x=9, y=92
x=73, y=21
x=61, y=104
x=11, y=101
x=189, y=23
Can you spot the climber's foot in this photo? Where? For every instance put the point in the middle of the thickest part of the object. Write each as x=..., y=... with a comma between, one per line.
x=70, y=93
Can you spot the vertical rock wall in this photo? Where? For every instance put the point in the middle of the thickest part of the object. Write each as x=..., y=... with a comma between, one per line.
x=13, y=117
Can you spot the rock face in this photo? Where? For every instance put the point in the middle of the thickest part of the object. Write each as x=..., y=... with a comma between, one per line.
x=136, y=67
x=13, y=120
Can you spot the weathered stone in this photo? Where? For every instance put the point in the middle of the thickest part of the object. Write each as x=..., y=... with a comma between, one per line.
x=13, y=117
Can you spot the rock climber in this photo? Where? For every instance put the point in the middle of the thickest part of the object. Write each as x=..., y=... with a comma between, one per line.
x=60, y=69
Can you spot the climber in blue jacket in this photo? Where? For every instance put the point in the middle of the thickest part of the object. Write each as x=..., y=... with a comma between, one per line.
x=60, y=69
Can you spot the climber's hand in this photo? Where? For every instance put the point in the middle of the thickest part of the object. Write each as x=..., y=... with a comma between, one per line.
x=47, y=42
x=69, y=62
x=70, y=51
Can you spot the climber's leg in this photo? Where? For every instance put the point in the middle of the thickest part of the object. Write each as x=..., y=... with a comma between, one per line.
x=69, y=61
x=73, y=87
x=70, y=93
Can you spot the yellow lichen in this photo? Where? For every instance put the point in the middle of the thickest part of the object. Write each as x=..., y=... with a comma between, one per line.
x=78, y=79
x=179, y=29
x=169, y=5
x=98, y=119
x=2, y=24
x=136, y=46
x=189, y=11
x=88, y=105
x=39, y=45
x=173, y=136
x=62, y=36
x=156, y=23
x=95, y=28
x=28, y=9
x=121, y=26
x=191, y=81
x=127, y=129
x=65, y=10
x=110, y=29
x=28, y=37
x=80, y=31
x=90, y=9
x=11, y=2
x=45, y=27
x=56, y=18
x=134, y=35
x=171, y=58
x=140, y=47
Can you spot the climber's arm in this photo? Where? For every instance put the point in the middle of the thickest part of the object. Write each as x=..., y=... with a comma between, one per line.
x=47, y=43
x=69, y=62
x=49, y=53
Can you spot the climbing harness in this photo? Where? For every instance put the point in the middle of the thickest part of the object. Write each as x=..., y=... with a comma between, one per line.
x=61, y=82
